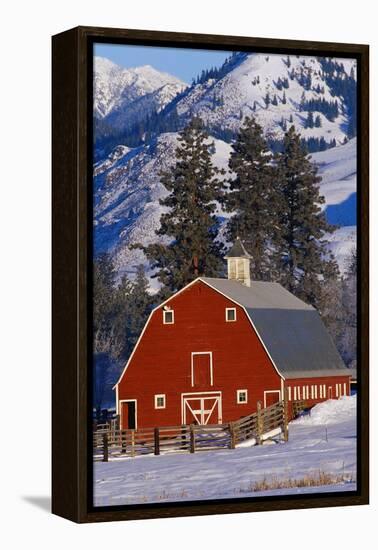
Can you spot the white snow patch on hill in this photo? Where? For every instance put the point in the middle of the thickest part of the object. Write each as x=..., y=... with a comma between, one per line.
x=337, y=168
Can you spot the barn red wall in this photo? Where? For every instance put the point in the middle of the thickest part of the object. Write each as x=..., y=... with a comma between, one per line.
x=161, y=363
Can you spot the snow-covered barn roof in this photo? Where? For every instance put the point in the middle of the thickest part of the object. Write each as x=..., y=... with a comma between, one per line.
x=291, y=330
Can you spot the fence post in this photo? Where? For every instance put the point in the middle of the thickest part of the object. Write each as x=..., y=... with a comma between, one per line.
x=192, y=439
x=132, y=442
x=260, y=427
x=123, y=441
x=105, y=447
x=232, y=434
x=286, y=415
x=157, y=441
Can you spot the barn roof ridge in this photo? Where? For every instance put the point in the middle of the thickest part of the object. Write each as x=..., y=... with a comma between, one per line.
x=292, y=331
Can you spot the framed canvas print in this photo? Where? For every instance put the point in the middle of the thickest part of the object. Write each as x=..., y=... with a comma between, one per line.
x=210, y=274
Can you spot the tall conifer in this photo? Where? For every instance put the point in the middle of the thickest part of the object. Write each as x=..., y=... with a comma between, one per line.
x=304, y=263
x=252, y=196
x=190, y=224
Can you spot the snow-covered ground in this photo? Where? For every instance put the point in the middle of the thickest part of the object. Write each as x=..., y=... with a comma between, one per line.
x=322, y=442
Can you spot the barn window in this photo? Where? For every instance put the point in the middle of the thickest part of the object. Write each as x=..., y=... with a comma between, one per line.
x=315, y=392
x=242, y=396
x=230, y=314
x=168, y=317
x=345, y=389
x=160, y=401
x=289, y=393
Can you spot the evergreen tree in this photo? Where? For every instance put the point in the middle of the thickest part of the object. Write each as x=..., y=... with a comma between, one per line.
x=310, y=120
x=318, y=122
x=103, y=294
x=252, y=196
x=284, y=98
x=274, y=100
x=303, y=261
x=190, y=223
x=348, y=339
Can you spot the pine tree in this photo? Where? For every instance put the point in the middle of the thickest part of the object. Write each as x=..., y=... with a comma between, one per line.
x=318, y=122
x=252, y=196
x=103, y=295
x=139, y=306
x=310, y=120
x=274, y=100
x=190, y=223
x=284, y=98
x=302, y=257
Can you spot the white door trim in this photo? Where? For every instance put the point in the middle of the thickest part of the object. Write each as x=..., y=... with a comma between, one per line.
x=120, y=411
x=271, y=391
x=192, y=365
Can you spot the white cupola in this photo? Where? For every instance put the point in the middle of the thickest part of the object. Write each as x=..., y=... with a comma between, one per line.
x=238, y=263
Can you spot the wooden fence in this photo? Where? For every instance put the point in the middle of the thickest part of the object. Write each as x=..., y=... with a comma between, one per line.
x=110, y=442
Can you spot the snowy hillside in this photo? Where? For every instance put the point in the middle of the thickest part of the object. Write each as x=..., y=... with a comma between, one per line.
x=128, y=189
x=338, y=169
x=127, y=193
x=323, y=442
x=270, y=88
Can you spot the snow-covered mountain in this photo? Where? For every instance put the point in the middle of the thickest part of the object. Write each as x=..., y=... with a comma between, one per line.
x=278, y=90
x=124, y=96
x=128, y=189
x=273, y=89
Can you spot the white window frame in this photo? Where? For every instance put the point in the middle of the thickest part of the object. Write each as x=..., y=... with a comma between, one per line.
x=295, y=393
x=345, y=390
x=211, y=365
x=316, y=391
x=321, y=391
x=289, y=393
x=298, y=393
x=230, y=309
x=238, y=392
x=160, y=396
x=173, y=316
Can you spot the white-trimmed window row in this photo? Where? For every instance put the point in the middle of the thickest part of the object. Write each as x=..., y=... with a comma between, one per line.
x=306, y=392
x=242, y=396
x=230, y=314
x=160, y=401
x=168, y=316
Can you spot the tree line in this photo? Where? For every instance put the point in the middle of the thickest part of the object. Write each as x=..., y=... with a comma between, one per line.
x=274, y=207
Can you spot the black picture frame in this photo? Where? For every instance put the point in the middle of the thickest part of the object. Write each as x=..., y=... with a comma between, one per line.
x=72, y=279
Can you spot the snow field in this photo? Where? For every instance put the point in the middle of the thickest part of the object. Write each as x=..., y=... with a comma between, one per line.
x=322, y=442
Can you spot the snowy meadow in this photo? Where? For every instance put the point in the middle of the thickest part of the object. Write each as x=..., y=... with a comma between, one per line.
x=320, y=456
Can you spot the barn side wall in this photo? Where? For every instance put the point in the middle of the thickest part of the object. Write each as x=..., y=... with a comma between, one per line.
x=316, y=390
x=161, y=363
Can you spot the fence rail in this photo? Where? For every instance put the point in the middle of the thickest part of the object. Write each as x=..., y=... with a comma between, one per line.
x=111, y=442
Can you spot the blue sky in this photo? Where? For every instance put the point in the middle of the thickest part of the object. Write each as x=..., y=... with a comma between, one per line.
x=180, y=62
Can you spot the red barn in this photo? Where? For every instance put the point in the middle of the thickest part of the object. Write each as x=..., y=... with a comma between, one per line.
x=216, y=347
